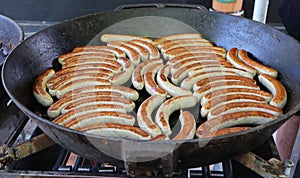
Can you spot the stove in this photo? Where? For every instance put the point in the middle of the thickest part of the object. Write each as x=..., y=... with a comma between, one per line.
x=54, y=161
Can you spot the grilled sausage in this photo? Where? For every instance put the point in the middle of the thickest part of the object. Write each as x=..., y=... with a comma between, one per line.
x=163, y=81
x=225, y=78
x=153, y=52
x=189, y=61
x=189, y=82
x=85, y=54
x=218, y=68
x=143, y=53
x=168, y=107
x=194, y=49
x=40, y=89
x=244, y=106
x=222, y=92
x=55, y=109
x=176, y=36
x=144, y=113
x=125, y=75
x=137, y=76
x=261, y=69
x=182, y=40
x=83, y=61
x=233, y=119
x=276, y=88
x=118, y=53
x=83, y=73
x=227, y=99
x=59, y=90
x=150, y=84
x=73, y=114
x=118, y=37
x=233, y=59
x=117, y=130
x=130, y=52
x=188, y=126
x=183, y=72
x=125, y=91
x=222, y=132
x=186, y=55
x=103, y=117
x=96, y=100
x=199, y=93
x=185, y=44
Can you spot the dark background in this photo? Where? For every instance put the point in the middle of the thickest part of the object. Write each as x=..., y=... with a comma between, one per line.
x=58, y=10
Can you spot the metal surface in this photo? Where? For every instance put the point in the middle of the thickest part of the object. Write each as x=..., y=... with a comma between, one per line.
x=270, y=169
x=11, y=154
x=36, y=54
x=11, y=35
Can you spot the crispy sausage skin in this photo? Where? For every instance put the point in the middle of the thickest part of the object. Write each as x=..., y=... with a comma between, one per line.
x=40, y=89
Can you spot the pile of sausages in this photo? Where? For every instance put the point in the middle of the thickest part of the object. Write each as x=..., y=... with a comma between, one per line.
x=92, y=93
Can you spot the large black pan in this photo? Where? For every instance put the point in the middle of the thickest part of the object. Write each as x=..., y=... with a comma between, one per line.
x=36, y=54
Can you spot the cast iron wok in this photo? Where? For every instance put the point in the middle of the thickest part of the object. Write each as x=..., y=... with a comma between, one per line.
x=36, y=54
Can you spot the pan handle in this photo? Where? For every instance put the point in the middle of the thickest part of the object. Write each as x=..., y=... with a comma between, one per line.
x=161, y=5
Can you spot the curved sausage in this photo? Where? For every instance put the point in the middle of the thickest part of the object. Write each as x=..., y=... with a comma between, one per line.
x=40, y=89
x=130, y=52
x=225, y=78
x=118, y=53
x=117, y=130
x=218, y=68
x=185, y=44
x=176, y=36
x=96, y=100
x=73, y=114
x=175, y=41
x=190, y=81
x=221, y=132
x=150, y=84
x=125, y=91
x=188, y=126
x=143, y=52
x=77, y=84
x=83, y=61
x=233, y=59
x=261, y=69
x=199, y=93
x=163, y=82
x=137, y=75
x=153, y=52
x=125, y=75
x=233, y=119
x=276, y=88
x=186, y=55
x=61, y=76
x=103, y=117
x=144, y=113
x=84, y=54
x=222, y=92
x=120, y=37
x=55, y=109
x=195, y=49
x=244, y=106
x=168, y=107
x=227, y=99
